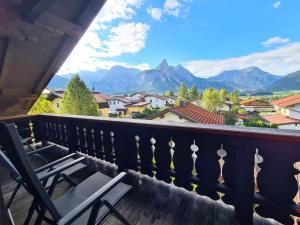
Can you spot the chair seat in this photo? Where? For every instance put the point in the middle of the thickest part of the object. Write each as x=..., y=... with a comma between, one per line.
x=85, y=189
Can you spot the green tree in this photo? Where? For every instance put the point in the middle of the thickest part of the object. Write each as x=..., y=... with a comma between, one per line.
x=169, y=93
x=193, y=92
x=242, y=112
x=234, y=97
x=212, y=100
x=78, y=100
x=223, y=94
x=42, y=105
x=230, y=118
x=183, y=93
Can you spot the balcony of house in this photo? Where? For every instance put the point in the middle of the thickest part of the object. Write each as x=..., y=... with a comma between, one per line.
x=180, y=173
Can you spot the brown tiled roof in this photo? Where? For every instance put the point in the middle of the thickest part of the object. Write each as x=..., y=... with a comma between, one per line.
x=288, y=101
x=255, y=102
x=100, y=97
x=194, y=113
x=279, y=119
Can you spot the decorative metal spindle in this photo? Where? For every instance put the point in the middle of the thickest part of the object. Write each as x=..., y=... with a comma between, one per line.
x=31, y=131
x=258, y=159
x=194, y=148
x=84, y=135
x=172, y=167
x=65, y=131
x=153, y=142
x=78, y=136
x=297, y=196
x=93, y=142
x=102, y=145
x=222, y=153
x=113, y=153
x=138, y=158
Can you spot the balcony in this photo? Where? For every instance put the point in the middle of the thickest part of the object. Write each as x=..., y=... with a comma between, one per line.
x=181, y=173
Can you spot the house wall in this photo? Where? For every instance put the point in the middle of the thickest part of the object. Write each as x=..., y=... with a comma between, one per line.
x=56, y=104
x=136, y=109
x=104, y=112
x=156, y=102
x=225, y=107
x=115, y=104
x=259, y=109
x=169, y=116
x=136, y=97
x=290, y=126
x=292, y=112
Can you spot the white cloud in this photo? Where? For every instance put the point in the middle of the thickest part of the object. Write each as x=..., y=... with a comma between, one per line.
x=125, y=38
x=118, y=9
x=274, y=41
x=93, y=52
x=90, y=53
x=277, y=4
x=156, y=13
x=177, y=8
x=172, y=7
x=280, y=61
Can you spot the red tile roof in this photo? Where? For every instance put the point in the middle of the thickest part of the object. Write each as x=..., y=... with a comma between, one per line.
x=288, y=101
x=280, y=119
x=100, y=97
x=255, y=102
x=194, y=113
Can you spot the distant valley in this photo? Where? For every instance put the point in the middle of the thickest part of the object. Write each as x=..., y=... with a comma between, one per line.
x=122, y=80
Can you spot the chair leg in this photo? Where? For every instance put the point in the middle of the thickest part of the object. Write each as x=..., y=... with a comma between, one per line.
x=13, y=195
x=30, y=213
x=94, y=213
x=116, y=212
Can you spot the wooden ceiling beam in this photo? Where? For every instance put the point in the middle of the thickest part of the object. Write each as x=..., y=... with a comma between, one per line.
x=85, y=20
x=57, y=24
x=39, y=8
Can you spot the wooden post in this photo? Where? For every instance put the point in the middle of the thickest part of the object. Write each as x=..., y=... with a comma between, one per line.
x=244, y=183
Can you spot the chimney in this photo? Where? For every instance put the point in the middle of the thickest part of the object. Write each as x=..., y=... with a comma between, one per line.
x=182, y=103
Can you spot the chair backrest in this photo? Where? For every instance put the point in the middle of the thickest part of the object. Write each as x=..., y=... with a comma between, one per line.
x=11, y=168
x=18, y=157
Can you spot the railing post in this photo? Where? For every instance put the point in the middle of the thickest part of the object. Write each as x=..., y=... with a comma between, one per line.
x=244, y=183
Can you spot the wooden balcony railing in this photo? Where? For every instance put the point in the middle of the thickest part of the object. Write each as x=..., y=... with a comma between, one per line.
x=252, y=169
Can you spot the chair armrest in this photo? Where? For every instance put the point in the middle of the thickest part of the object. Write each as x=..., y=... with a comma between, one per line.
x=50, y=165
x=40, y=150
x=25, y=140
x=89, y=202
x=61, y=169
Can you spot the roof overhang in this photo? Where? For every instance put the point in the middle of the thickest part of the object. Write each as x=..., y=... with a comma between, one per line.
x=36, y=37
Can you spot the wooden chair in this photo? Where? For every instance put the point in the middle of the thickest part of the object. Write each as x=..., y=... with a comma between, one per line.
x=87, y=203
x=63, y=164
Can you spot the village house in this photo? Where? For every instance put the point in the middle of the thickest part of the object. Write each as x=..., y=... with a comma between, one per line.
x=117, y=105
x=188, y=112
x=55, y=98
x=159, y=101
x=137, y=108
x=251, y=105
x=287, y=113
x=137, y=96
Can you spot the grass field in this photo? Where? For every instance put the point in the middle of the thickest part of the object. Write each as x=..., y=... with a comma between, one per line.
x=276, y=95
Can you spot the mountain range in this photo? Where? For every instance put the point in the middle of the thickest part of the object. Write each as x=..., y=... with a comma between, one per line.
x=123, y=80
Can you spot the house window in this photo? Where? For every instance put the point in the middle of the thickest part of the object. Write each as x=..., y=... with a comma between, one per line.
x=57, y=104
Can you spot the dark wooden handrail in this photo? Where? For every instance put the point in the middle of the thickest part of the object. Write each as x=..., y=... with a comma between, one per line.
x=245, y=167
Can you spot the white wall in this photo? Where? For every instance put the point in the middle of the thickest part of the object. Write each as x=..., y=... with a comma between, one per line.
x=290, y=126
x=171, y=117
x=115, y=104
x=155, y=102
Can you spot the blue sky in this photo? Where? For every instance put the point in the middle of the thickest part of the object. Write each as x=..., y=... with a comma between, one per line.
x=206, y=36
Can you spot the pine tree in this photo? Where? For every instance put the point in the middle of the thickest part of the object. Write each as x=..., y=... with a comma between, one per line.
x=42, y=105
x=78, y=100
x=183, y=93
x=193, y=92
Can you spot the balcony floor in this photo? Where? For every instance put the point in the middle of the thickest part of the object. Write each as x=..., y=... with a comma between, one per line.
x=150, y=202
